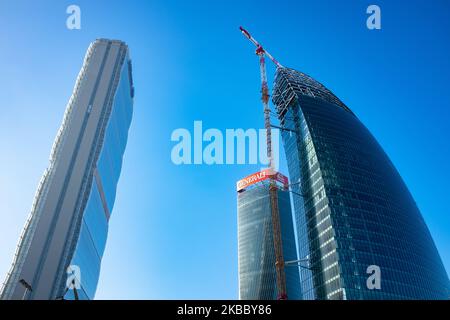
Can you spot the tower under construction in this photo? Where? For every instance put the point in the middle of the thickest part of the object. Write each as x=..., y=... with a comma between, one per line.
x=354, y=213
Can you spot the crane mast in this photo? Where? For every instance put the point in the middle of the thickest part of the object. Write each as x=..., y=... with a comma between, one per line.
x=275, y=214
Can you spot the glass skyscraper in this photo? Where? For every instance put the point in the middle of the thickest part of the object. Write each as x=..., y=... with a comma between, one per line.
x=64, y=237
x=354, y=211
x=256, y=253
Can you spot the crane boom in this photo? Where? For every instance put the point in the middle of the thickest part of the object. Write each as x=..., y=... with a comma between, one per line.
x=275, y=214
x=258, y=46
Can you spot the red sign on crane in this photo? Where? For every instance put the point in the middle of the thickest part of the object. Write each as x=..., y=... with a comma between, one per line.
x=261, y=176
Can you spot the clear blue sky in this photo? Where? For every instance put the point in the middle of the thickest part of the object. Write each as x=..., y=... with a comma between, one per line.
x=173, y=229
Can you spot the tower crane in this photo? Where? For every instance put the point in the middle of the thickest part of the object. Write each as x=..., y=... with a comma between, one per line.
x=275, y=214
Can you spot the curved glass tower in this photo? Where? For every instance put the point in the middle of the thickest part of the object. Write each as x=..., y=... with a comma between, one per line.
x=63, y=241
x=256, y=253
x=355, y=210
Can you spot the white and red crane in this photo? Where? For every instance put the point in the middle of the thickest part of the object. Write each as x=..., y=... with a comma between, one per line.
x=275, y=214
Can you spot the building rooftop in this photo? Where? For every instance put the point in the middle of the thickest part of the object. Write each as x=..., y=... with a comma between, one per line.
x=291, y=84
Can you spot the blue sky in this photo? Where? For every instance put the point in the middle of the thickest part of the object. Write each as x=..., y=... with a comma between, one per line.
x=173, y=231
